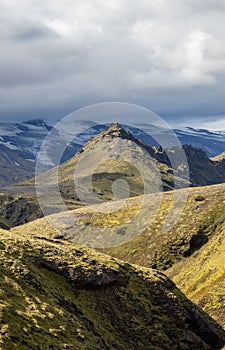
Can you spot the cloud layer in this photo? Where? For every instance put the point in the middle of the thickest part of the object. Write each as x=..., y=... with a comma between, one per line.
x=168, y=55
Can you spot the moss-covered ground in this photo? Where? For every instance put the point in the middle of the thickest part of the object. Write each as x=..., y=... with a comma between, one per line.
x=56, y=295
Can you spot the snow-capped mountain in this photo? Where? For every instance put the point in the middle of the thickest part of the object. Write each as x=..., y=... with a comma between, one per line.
x=14, y=167
x=23, y=140
x=212, y=142
x=27, y=137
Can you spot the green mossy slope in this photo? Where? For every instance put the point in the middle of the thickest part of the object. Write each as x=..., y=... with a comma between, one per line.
x=202, y=216
x=202, y=277
x=55, y=295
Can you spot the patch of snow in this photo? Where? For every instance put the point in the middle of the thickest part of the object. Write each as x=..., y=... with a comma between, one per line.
x=31, y=160
x=10, y=146
x=6, y=155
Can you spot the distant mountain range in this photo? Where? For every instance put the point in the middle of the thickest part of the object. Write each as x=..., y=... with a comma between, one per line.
x=28, y=136
x=21, y=142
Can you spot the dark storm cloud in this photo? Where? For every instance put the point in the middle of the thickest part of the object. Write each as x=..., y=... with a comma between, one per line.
x=167, y=55
x=32, y=32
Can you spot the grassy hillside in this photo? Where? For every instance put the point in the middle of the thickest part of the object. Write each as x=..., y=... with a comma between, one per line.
x=202, y=217
x=55, y=295
x=202, y=277
x=200, y=273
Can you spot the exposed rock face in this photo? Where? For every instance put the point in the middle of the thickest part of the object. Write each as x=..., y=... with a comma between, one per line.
x=17, y=210
x=219, y=161
x=91, y=279
x=203, y=171
x=56, y=295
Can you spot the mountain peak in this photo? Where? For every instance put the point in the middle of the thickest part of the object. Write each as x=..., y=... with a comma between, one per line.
x=116, y=130
x=113, y=132
x=115, y=125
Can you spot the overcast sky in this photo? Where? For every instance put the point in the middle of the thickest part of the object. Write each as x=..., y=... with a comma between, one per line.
x=167, y=55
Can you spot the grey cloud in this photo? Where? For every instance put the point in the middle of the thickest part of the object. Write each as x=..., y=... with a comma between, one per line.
x=32, y=32
x=165, y=55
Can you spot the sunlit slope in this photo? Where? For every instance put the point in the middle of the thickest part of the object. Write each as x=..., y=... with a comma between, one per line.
x=202, y=277
x=202, y=216
x=219, y=158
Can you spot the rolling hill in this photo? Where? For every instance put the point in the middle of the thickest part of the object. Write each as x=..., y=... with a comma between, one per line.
x=18, y=209
x=52, y=266
x=201, y=218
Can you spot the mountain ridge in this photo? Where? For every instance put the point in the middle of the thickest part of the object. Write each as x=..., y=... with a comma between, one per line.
x=114, y=154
